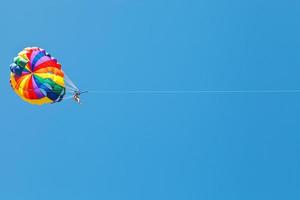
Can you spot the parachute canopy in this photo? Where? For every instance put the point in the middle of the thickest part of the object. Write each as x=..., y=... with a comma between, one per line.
x=37, y=77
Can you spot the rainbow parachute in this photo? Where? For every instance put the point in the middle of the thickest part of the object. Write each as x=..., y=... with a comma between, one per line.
x=37, y=77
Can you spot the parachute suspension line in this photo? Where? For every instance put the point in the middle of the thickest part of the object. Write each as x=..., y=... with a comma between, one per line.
x=67, y=98
x=192, y=91
x=69, y=84
x=69, y=89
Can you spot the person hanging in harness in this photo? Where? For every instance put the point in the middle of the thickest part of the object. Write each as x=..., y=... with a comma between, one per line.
x=76, y=96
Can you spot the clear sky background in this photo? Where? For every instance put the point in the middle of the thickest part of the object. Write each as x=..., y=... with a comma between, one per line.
x=155, y=146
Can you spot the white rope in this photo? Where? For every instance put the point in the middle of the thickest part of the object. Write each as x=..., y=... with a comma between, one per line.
x=192, y=91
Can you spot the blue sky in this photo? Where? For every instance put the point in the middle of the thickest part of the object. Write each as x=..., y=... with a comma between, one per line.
x=155, y=146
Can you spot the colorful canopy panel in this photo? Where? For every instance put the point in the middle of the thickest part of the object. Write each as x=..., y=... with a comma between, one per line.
x=37, y=77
